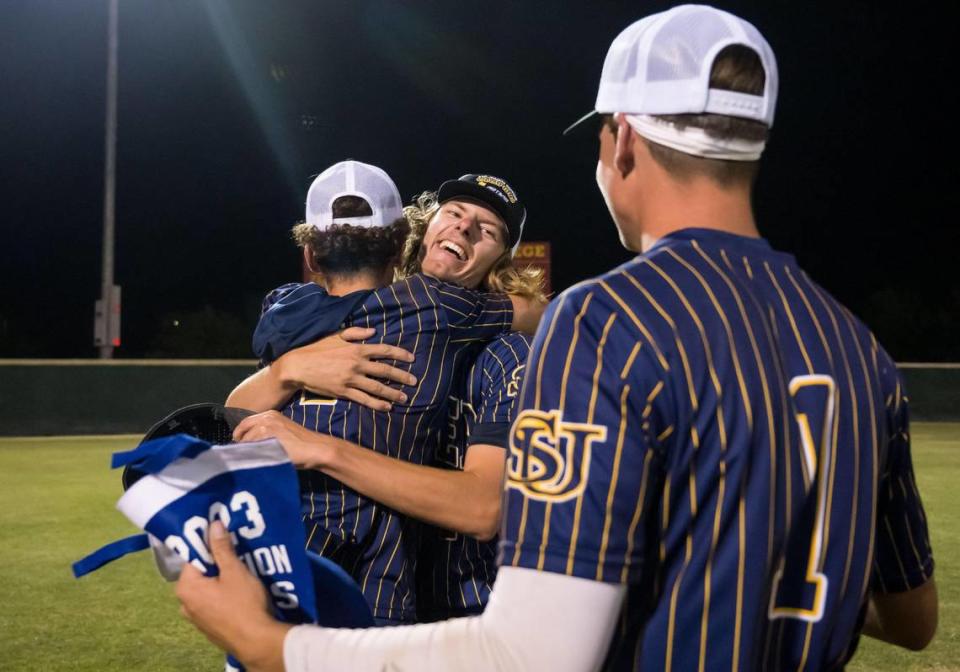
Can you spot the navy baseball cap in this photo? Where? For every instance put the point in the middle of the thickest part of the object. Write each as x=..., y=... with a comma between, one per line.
x=494, y=192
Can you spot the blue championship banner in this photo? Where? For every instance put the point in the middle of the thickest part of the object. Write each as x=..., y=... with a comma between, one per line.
x=252, y=489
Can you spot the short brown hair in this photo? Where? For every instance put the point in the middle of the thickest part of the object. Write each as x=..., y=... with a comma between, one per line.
x=735, y=68
x=503, y=276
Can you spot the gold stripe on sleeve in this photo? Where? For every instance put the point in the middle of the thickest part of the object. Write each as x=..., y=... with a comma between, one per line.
x=546, y=534
x=633, y=356
x=570, y=350
x=522, y=529
x=632, y=531
x=592, y=407
x=608, y=513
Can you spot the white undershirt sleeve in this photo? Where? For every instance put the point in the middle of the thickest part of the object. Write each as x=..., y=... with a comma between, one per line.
x=534, y=621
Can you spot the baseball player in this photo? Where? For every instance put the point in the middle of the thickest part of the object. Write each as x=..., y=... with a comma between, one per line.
x=437, y=321
x=711, y=466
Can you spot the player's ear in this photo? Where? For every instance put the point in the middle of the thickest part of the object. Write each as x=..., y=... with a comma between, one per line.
x=309, y=261
x=623, y=157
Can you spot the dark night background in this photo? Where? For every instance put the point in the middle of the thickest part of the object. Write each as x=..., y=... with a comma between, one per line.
x=226, y=110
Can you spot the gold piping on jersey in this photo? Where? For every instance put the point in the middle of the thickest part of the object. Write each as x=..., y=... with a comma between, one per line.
x=868, y=383
x=747, y=404
x=665, y=517
x=543, y=537
x=855, y=408
x=633, y=356
x=726, y=326
x=313, y=530
x=570, y=350
x=366, y=576
x=742, y=542
x=443, y=357
x=590, y=412
x=503, y=374
x=762, y=371
x=789, y=313
x=416, y=345
x=636, y=320
x=773, y=340
x=522, y=528
x=673, y=606
x=708, y=573
x=614, y=477
x=688, y=376
x=813, y=316
x=632, y=530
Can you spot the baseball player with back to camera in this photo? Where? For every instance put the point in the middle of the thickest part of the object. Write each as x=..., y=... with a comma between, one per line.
x=711, y=465
x=442, y=323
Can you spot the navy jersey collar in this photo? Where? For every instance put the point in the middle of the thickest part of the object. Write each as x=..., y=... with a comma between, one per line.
x=714, y=236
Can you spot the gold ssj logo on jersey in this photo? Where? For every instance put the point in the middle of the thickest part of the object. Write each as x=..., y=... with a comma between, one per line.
x=550, y=458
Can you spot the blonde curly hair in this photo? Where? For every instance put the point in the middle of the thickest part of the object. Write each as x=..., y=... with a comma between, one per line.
x=503, y=276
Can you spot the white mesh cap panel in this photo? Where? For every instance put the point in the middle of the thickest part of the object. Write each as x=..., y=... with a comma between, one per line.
x=681, y=45
x=661, y=65
x=353, y=178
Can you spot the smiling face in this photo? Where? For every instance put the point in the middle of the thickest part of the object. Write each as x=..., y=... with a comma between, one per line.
x=463, y=241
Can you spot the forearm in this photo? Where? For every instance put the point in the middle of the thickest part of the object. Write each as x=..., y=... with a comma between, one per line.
x=907, y=619
x=262, y=391
x=460, y=501
x=260, y=648
x=534, y=621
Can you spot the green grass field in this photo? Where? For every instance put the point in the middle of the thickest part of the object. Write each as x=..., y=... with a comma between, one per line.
x=57, y=501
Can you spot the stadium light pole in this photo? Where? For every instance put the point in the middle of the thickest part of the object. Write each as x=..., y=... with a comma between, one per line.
x=107, y=318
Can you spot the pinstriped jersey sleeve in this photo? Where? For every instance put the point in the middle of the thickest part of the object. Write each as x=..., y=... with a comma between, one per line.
x=903, y=559
x=473, y=315
x=500, y=367
x=498, y=374
x=583, y=466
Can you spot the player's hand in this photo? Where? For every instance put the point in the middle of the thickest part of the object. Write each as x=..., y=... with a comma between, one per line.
x=232, y=609
x=337, y=367
x=306, y=449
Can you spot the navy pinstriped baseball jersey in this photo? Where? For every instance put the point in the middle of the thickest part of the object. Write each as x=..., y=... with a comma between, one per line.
x=456, y=571
x=710, y=427
x=436, y=321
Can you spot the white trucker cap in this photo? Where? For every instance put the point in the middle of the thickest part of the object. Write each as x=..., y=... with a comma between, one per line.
x=661, y=65
x=353, y=178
